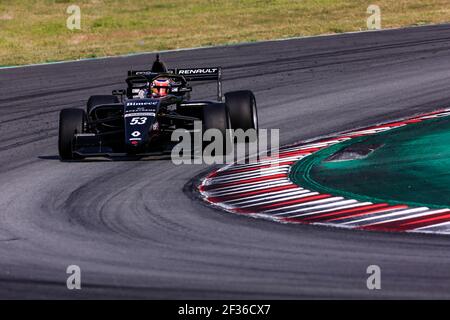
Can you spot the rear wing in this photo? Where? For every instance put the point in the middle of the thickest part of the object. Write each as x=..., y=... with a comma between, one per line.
x=190, y=74
x=202, y=74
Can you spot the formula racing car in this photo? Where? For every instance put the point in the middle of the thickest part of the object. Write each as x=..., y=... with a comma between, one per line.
x=140, y=119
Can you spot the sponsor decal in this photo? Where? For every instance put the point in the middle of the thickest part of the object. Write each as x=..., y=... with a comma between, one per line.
x=136, y=134
x=85, y=135
x=138, y=121
x=172, y=108
x=140, y=114
x=142, y=103
x=198, y=71
x=142, y=73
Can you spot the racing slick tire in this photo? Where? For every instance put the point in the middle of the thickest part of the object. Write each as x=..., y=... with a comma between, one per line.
x=100, y=99
x=216, y=116
x=242, y=108
x=71, y=121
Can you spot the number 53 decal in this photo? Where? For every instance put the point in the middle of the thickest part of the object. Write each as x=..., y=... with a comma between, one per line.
x=138, y=120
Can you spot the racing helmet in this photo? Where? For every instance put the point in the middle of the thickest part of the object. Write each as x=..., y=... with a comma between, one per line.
x=160, y=87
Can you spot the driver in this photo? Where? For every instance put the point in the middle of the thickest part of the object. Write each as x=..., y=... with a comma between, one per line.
x=160, y=87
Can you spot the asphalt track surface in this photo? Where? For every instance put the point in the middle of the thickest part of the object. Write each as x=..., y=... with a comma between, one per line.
x=137, y=231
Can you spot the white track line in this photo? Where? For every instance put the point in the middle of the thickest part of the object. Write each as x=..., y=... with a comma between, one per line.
x=251, y=174
x=304, y=195
x=397, y=212
x=265, y=196
x=310, y=205
x=341, y=204
x=408, y=216
x=240, y=188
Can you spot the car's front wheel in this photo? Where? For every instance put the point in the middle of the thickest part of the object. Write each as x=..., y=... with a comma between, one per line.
x=71, y=122
x=242, y=108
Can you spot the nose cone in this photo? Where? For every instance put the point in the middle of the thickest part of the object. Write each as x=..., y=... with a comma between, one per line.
x=139, y=117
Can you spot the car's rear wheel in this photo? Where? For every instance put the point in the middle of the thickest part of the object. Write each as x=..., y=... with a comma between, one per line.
x=71, y=121
x=216, y=116
x=242, y=108
x=100, y=99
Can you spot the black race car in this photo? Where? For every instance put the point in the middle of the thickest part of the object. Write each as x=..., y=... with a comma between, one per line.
x=128, y=122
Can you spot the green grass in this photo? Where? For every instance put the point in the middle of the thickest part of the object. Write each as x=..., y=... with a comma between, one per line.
x=33, y=31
